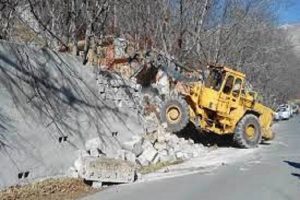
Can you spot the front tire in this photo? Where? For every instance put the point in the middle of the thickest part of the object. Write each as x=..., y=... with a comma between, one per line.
x=175, y=113
x=248, y=132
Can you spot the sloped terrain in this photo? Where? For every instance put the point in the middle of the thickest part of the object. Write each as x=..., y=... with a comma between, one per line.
x=294, y=33
x=49, y=108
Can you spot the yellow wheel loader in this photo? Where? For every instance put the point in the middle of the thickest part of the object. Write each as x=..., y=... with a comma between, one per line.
x=220, y=105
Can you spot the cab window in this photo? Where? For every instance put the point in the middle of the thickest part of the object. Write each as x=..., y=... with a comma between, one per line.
x=228, y=85
x=215, y=79
x=237, y=87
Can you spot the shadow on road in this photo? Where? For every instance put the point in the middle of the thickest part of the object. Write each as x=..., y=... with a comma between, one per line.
x=295, y=174
x=295, y=165
x=264, y=143
x=207, y=139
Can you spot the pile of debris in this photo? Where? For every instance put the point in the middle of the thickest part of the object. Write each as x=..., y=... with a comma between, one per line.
x=139, y=84
x=100, y=164
x=163, y=146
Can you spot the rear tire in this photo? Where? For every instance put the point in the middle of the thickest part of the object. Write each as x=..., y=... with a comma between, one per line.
x=248, y=132
x=175, y=113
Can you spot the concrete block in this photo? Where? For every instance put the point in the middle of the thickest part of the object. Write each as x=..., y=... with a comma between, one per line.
x=173, y=140
x=97, y=184
x=179, y=155
x=108, y=170
x=149, y=153
x=167, y=156
x=163, y=156
x=188, y=156
x=195, y=154
x=183, y=155
x=160, y=146
x=146, y=144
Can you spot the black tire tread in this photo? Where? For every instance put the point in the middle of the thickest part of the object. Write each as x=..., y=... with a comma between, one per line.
x=239, y=135
x=182, y=104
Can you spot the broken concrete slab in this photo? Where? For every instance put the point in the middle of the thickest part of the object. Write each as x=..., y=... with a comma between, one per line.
x=149, y=153
x=160, y=146
x=173, y=140
x=97, y=184
x=146, y=144
x=165, y=156
x=108, y=170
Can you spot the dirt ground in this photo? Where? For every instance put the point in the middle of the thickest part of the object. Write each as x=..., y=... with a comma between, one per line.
x=54, y=189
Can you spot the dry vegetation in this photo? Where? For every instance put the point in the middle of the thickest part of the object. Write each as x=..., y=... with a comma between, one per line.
x=54, y=189
x=243, y=34
x=155, y=167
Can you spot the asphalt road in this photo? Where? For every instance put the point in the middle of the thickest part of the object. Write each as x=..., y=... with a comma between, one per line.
x=273, y=172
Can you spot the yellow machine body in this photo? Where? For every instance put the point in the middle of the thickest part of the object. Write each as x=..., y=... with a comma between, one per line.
x=222, y=101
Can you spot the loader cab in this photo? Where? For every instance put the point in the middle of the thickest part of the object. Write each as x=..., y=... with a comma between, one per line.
x=226, y=85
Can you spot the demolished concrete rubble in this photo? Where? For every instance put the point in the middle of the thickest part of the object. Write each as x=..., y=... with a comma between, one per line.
x=151, y=147
x=121, y=167
x=149, y=154
x=138, y=151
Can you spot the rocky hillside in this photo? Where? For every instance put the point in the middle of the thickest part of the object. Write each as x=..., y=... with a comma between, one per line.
x=293, y=32
x=295, y=37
